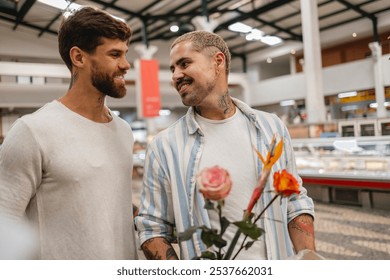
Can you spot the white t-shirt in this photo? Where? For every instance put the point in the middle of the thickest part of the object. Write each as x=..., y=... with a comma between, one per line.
x=72, y=177
x=227, y=143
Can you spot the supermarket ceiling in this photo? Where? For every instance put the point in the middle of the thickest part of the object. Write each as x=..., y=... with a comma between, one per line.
x=151, y=20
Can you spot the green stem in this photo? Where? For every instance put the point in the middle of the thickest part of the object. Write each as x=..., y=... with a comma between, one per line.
x=220, y=222
x=257, y=218
x=269, y=204
x=232, y=245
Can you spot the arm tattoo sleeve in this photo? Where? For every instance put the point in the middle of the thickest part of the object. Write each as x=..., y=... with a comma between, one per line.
x=303, y=223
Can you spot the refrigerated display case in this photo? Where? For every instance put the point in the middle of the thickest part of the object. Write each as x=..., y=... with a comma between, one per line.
x=367, y=128
x=348, y=128
x=383, y=127
x=353, y=170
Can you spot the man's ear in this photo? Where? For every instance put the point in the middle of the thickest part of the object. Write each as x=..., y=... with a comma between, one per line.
x=220, y=59
x=77, y=56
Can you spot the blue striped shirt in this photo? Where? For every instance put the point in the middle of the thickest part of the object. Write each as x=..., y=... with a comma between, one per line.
x=170, y=201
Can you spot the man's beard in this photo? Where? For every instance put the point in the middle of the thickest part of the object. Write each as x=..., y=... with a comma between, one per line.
x=106, y=84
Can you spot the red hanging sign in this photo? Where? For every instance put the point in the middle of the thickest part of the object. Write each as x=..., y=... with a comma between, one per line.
x=149, y=88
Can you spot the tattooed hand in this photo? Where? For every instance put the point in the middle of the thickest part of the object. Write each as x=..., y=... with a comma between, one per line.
x=159, y=249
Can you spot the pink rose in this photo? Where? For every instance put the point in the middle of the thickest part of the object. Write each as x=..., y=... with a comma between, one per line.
x=214, y=183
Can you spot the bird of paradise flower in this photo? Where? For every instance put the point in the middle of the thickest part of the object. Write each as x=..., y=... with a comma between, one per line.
x=285, y=185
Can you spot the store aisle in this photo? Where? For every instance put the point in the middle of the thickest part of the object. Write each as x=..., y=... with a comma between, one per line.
x=343, y=232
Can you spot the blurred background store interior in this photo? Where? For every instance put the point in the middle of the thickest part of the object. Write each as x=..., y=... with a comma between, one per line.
x=321, y=65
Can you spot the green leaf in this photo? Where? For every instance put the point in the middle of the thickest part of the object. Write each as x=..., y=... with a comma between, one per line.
x=211, y=237
x=187, y=234
x=219, y=242
x=208, y=236
x=252, y=230
x=224, y=224
x=208, y=255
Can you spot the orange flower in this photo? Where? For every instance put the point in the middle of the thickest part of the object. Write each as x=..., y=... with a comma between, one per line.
x=274, y=153
x=285, y=183
x=214, y=183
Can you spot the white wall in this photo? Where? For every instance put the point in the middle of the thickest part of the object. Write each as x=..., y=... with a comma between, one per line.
x=357, y=75
x=24, y=42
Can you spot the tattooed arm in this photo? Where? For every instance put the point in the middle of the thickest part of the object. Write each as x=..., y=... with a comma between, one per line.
x=158, y=248
x=301, y=231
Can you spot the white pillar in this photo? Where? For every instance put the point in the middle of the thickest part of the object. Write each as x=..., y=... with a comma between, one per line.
x=293, y=64
x=315, y=104
x=376, y=50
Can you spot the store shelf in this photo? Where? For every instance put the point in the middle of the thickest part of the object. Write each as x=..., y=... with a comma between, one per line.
x=353, y=170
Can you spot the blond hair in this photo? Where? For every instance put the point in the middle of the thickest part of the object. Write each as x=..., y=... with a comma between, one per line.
x=204, y=40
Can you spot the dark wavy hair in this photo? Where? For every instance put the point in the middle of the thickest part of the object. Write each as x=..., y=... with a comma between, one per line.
x=85, y=28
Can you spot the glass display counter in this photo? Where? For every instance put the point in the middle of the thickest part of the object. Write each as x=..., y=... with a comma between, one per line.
x=353, y=170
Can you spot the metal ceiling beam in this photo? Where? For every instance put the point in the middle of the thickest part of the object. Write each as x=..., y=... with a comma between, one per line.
x=9, y=8
x=150, y=19
x=363, y=13
x=287, y=31
x=329, y=15
x=27, y=25
x=257, y=12
x=114, y=7
x=47, y=27
x=181, y=18
x=205, y=11
x=23, y=11
x=357, y=9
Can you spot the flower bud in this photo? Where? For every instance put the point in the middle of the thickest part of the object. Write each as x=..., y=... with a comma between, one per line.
x=214, y=183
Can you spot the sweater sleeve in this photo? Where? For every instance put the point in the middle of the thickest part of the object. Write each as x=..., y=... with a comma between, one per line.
x=20, y=170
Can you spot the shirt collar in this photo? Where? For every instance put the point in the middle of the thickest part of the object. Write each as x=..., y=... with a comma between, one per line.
x=193, y=125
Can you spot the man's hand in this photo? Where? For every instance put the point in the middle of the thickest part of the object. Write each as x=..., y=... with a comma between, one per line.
x=159, y=248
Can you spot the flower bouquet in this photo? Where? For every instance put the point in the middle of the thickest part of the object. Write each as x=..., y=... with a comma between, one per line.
x=215, y=184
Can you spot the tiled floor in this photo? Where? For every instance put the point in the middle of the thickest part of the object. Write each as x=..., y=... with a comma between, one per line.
x=345, y=232
x=352, y=233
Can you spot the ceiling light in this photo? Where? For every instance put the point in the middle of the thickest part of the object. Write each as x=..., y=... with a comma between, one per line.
x=287, y=102
x=59, y=4
x=375, y=105
x=347, y=94
x=349, y=108
x=240, y=27
x=271, y=40
x=67, y=7
x=269, y=60
x=174, y=28
x=354, y=35
x=62, y=5
x=293, y=51
x=255, y=34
